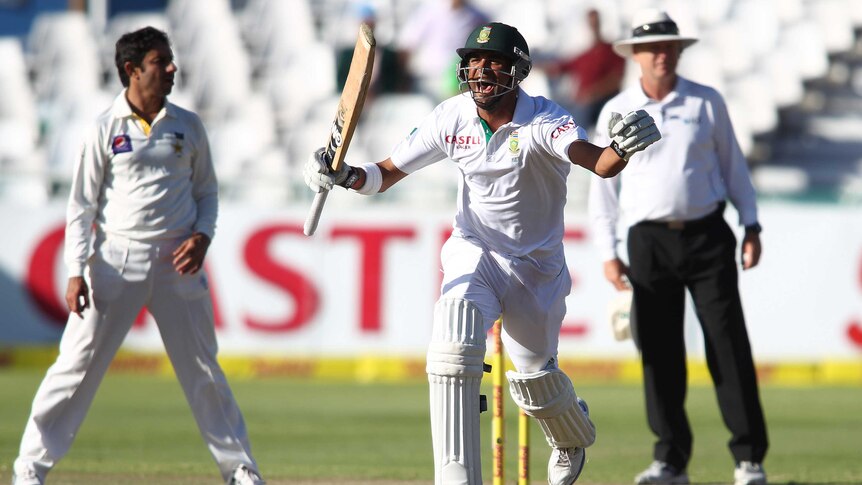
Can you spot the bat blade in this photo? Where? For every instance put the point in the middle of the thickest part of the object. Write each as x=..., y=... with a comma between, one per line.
x=346, y=117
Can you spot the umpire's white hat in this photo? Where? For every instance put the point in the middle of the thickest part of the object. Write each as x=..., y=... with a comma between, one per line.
x=651, y=25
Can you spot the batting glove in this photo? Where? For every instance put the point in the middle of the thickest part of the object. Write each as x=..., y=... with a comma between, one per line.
x=319, y=177
x=632, y=133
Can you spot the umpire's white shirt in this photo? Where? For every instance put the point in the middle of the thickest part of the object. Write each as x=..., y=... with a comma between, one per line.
x=512, y=191
x=141, y=182
x=696, y=165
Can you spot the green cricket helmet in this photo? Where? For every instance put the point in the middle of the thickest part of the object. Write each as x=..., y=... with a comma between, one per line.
x=501, y=39
x=496, y=38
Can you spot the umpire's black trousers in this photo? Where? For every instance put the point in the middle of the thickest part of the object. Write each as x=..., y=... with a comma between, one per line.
x=665, y=259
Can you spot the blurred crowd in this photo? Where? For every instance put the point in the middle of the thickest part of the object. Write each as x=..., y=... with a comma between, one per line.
x=265, y=75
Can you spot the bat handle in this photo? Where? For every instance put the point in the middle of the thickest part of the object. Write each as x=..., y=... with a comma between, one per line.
x=314, y=214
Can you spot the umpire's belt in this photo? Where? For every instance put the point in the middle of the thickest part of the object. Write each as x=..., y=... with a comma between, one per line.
x=691, y=224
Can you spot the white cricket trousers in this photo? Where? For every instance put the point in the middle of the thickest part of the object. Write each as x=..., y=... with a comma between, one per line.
x=531, y=300
x=124, y=277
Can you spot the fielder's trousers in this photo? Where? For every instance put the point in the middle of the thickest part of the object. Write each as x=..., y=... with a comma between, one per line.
x=125, y=276
x=665, y=259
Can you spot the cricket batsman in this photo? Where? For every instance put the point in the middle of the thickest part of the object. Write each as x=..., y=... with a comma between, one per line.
x=505, y=256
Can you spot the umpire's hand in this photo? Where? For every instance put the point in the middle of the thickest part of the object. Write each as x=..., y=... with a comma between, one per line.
x=189, y=257
x=751, y=250
x=617, y=273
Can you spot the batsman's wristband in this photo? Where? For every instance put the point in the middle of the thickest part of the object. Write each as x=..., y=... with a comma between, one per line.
x=619, y=151
x=373, y=179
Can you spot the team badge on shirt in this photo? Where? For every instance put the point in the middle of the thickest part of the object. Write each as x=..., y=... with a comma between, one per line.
x=178, y=143
x=121, y=144
x=514, y=145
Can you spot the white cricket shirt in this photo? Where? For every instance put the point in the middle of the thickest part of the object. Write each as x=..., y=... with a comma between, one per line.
x=141, y=182
x=684, y=176
x=512, y=191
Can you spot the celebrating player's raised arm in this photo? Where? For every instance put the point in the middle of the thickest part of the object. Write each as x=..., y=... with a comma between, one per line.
x=629, y=134
x=368, y=179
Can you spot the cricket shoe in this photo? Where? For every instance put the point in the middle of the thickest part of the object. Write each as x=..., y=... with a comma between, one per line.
x=749, y=473
x=26, y=477
x=566, y=464
x=244, y=475
x=662, y=473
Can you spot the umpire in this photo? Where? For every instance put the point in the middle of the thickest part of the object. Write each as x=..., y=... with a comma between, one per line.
x=672, y=198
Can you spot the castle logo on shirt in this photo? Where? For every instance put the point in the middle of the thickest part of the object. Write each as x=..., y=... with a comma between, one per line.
x=463, y=142
x=563, y=128
x=121, y=144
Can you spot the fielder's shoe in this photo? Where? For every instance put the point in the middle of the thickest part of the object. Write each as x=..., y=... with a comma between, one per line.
x=566, y=465
x=26, y=477
x=748, y=473
x=244, y=475
x=662, y=473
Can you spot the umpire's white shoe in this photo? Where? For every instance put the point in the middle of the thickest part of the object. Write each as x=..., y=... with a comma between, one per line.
x=662, y=473
x=565, y=465
x=244, y=475
x=748, y=473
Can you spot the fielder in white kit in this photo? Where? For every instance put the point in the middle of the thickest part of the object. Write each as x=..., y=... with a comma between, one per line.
x=144, y=190
x=505, y=256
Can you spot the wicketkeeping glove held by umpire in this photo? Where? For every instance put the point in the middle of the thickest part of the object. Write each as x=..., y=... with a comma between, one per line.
x=632, y=133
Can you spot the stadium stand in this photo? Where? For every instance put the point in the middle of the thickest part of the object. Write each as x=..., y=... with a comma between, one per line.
x=262, y=74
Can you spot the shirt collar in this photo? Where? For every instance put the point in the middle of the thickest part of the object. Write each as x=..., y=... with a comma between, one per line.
x=121, y=108
x=524, y=108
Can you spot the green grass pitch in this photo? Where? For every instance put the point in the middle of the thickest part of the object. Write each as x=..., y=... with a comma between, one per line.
x=140, y=430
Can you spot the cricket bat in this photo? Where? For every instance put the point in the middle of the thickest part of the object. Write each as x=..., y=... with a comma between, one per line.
x=346, y=117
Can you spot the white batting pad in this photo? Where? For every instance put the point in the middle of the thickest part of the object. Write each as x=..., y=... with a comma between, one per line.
x=548, y=396
x=454, y=368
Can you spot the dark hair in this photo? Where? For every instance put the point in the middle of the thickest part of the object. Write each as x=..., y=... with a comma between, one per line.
x=133, y=46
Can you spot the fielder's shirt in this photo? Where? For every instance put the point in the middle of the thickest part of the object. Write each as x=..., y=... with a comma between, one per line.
x=512, y=191
x=696, y=165
x=141, y=182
